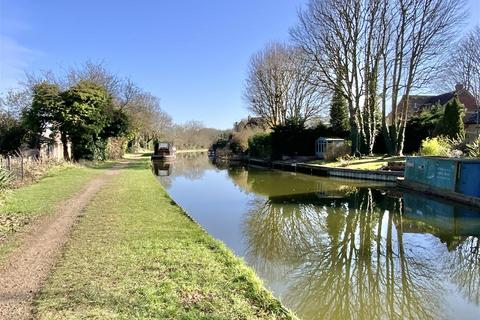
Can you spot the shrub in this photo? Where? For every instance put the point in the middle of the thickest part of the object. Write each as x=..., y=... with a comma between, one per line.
x=292, y=139
x=337, y=152
x=115, y=148
x=5, y=178
x=422, y=126
x=442, y=146
x=260, y=145
x=473, y=149
x=240, y=139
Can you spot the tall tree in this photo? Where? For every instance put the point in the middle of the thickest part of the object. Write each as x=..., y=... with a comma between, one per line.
x=452, y=124
x=419, y=30
x=84, y=117
x=339, y=120
x=45, y=111
x=462, y=66
x=382, y=50
x=335, y=36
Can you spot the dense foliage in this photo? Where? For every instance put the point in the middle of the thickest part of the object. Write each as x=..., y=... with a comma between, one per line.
x=339, y=120
x=11, y=133
x=295, y=140
x=422, y=126
x=452, y=123
x=473, y=149
x=260, y=145
x=437, y=146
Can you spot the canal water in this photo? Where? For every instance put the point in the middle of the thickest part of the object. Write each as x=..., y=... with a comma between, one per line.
x=335, y=248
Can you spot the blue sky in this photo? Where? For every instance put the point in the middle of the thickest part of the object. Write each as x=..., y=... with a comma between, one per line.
x=192, y=54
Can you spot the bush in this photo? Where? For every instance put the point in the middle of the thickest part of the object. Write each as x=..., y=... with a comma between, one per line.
x=335, y=152
x=116, y=148
x=473, y=149
x=240, y=139
x=5, y=178
x=452, y=123
x=260, y=145
x=292, y=139
x=420, y=127
x=442, y=146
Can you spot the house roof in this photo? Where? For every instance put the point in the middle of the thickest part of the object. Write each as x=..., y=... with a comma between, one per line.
x=418, y=103
x=329, y=139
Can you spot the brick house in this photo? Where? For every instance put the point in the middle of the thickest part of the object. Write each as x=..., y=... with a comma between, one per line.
x=419, y=103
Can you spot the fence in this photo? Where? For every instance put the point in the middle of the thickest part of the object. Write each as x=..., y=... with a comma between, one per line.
x=26, y=167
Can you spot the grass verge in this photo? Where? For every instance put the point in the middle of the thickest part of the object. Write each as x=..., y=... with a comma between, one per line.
x=22, y=205
x=136, y=255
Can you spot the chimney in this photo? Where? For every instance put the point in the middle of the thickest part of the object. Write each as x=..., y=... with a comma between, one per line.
x=459, y=87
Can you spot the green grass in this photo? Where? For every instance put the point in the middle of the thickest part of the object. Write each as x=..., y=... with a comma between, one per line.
x=22, y=205
x=136, y=255
x=365, y=163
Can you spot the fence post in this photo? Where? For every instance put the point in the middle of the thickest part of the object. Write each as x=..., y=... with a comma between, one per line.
x=8, y=163
x=21, y=165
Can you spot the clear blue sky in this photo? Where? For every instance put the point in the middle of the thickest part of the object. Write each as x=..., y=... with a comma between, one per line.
x=192, y=54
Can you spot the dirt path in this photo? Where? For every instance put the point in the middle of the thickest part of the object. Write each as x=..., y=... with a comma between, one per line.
x=26, y=269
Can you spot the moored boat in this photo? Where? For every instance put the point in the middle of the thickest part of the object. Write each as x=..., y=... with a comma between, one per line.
x=163, y=151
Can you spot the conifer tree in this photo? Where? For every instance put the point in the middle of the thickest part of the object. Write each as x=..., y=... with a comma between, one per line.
x=339, y=112
x=452, y=124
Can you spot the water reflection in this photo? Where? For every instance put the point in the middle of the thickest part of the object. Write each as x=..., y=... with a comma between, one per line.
x=162, y=168
x=344, y=258
x=339, y=249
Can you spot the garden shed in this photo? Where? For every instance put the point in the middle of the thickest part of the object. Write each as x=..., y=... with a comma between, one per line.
x=325, y=145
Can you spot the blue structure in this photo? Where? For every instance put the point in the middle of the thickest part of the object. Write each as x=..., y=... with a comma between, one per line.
x=449, y=174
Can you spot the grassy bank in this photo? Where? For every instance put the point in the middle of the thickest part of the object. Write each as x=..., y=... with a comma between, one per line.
x=136, y=255
x=22, y=205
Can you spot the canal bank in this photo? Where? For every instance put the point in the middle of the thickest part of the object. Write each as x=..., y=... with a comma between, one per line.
x=141, y=256
x=321, y=170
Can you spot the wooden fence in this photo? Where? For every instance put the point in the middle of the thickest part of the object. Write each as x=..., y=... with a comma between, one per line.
x=23, y=166
x=17, y=164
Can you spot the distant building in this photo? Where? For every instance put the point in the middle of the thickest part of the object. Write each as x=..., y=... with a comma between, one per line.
x=472, y=126
x=51, y=146
x=250, y=123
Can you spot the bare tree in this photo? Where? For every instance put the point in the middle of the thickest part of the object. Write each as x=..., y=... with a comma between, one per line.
x=14, y=102
x=420, y=31
x=95, y=72
x=330, y=33
x=279, y=86
x=267, y=84
x=463, y=65
x=379, y=50
x=305, y=101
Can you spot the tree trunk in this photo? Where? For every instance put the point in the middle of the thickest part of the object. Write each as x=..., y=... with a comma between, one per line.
x=66, y=155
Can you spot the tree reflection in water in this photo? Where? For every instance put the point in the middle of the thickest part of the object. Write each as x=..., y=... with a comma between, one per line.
x=348, y=259
x=339, y=249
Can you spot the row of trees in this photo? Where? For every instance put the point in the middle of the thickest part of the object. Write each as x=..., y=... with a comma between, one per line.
x=370, y=55
x=89, y=105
